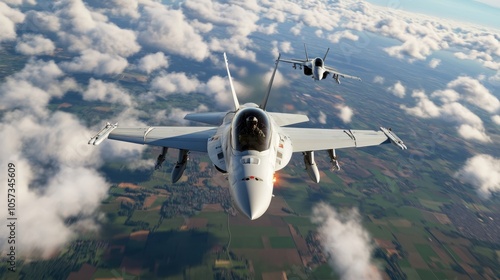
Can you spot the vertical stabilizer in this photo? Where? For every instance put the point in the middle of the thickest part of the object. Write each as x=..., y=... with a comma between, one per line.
x=324, y=58
x=264, y=102
x=235, y=98
x=305, y=50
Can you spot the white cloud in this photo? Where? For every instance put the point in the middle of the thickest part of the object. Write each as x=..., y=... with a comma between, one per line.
x=434, y=63
x=32, y=88
x=173, y=83
x=483, y=172
x=282, y=47
x=475, y=93
x=397, y=89
x=345, y=113
x=31, y=44
x=41, y=21
x=174, y=35
x=296, y=29
x=322, y=117
x=83, y=29
x=107, y=92
x=9, y=17
x=345, y=242
x=279, y=79
x=152, y=62
x=470, y=126
x=470, y=132
x=379, y=80
x=91, y=61
x=345, y=34
x=56, y=178
x=496, y=119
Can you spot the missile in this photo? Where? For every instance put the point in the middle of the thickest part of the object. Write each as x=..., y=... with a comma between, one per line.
x=180, y=165
x=394, y=138
x=334, y=161
x=311, y=167
x=161, y=158
x=336, y=78
x=102, y=134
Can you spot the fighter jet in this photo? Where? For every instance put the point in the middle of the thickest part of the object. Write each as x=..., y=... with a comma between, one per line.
x=316, y=67
x=248, y=144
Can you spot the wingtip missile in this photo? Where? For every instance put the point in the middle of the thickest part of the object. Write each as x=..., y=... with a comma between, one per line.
x=102, y=134
x=393, y=138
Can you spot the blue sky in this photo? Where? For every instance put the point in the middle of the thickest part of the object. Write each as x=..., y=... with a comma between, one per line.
x=482, y=12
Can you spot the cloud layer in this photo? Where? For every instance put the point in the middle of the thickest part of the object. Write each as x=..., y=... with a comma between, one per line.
x=483, y=172
x=346, y=242
x=104, y=41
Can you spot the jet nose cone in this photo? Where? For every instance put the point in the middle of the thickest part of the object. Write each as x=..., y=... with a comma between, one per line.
x=252, y=198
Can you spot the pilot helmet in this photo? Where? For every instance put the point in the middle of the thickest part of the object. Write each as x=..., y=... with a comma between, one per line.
x=252, y=120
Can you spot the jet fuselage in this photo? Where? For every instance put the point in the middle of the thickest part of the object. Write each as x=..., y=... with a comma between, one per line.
x=250, y=157
x=318, y=70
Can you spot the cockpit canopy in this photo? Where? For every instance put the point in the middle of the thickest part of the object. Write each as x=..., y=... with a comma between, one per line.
x=318, y=62
x=251, y=130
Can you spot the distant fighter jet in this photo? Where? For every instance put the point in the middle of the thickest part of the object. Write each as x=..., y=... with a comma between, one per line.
x=249, y=145
x=317, y=68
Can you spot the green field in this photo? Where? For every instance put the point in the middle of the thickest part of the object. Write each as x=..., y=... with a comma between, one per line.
x=282, y=242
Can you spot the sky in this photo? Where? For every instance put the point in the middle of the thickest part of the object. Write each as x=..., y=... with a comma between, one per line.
x=481, y=12
x=58, y=172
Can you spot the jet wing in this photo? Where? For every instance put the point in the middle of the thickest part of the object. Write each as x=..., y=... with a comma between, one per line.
x=313, y=139
x=333, y=71
x=213, y=118
x=178, y=137
x=293, y=60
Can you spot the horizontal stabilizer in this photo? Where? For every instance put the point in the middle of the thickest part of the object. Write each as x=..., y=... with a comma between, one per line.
x=283, y=119
x=213, y=118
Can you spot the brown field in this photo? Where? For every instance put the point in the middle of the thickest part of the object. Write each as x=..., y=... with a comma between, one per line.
x=274, y=257
x=218, y=179
x=64, y=105
x=301, y=245
x=353, y=171
x=429, y=216
x=278, y=275
x=266, y=242
x=442, y=218
x=449, y=240
x=102, y=109
x=464, y=255
x=85, y=272
x=276, y=207
x=443, y=256
x=203, y=166
x=149, y=201
x=197, y=223
x=264, y=221
x=385, y=244
x=416, y=261
x=141, y=235
x=128, y=185
x=212, y=208
x=377, y=221
x=400, y=222
x=325, y=178
x=125, y=199
x=288, y=107
x=131, y=265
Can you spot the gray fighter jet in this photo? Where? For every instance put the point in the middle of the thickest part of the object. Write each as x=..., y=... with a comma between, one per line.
x=249, y=145
x=316, y=68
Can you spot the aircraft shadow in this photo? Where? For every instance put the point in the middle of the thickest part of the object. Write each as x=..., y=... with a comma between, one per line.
x=125, y=175
x=166, y=253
